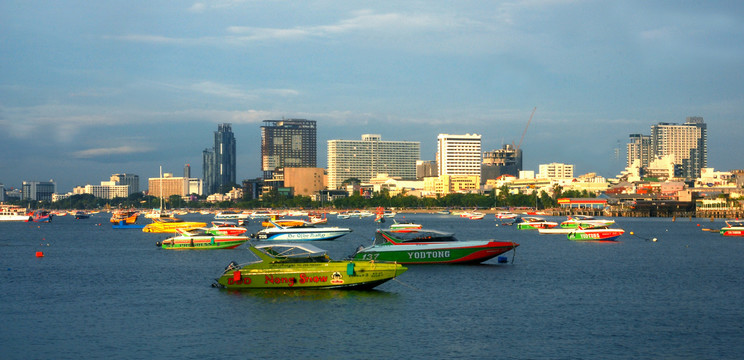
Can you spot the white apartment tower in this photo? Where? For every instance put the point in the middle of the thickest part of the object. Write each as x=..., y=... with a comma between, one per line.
x=364, y=159
x=555, y=171
x=687, y=143
x=459, y=154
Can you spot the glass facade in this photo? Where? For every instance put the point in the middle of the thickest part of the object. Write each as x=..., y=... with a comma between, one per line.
x=288, y=143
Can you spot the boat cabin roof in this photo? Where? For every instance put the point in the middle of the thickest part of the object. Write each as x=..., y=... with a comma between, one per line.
x=293, y=251
x=413, y=236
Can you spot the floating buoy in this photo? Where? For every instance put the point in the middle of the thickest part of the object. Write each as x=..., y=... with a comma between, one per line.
x=39, y=254
x=632, y=233
x=698, y=224
x=654, y=239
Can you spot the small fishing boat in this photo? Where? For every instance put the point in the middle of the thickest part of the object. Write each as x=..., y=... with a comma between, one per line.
x=733, y=228
x=128, y=216
x=585, y=222
x=303, y=266
x=170, y=225
x=430, y=247
x=201, y=239
x=40, y=216
x=532, y=223
x=595, y=234
x=300, y=233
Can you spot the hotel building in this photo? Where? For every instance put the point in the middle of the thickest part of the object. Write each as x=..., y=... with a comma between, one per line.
x=639, y=148
x=687, y=143
x=459, y=154
x=555, y=171
x=288, y=143
x=364, y=159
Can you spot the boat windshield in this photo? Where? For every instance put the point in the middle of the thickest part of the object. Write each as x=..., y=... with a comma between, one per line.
x=414, y=236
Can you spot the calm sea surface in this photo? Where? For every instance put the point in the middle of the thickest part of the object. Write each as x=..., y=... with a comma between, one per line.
x=104, y=293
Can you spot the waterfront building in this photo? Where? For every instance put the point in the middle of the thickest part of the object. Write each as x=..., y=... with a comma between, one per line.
x=687, y=144
x=555, y=171
x=459, y=154
x=507, y=160
x=448, y=184
x=303, y=181
x=107, y=190
x=169, y=185
x=220, y=161
x=425, y=168
x=365, y=159
x=639, y=148
x=288, y=143
x=127, y=179
x=38, y=190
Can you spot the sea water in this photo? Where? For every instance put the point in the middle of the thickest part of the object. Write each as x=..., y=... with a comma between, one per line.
x=103, y=293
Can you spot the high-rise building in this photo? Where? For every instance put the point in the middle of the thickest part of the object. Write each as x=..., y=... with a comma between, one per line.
x=459, y=154
x=365, y=159
x=425, y=168
x=127, y=179
x=38, y=190
x=639, y=148
x=287, y=143
x=504, y=161
x=219, y=161
x=687, y=143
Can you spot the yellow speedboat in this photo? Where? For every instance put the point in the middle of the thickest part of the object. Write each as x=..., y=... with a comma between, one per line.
x=169, y=225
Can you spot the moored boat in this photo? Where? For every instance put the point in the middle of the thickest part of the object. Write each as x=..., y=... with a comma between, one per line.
x=430, y=247
x=505, y=215
x=128, y=216
x=404, y=226
x=733, y=228
x=201, y=239
x=231, y=215
x=170, y=225
x=285, y=222
x=585, y=222
x=82, y=215
x=595, y=234
x=40, y=216
x=532, y=223
x=13, y=213
x=303, y=266
x=301, y=233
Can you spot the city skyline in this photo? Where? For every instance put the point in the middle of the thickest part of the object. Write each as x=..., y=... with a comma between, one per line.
x=127, y=87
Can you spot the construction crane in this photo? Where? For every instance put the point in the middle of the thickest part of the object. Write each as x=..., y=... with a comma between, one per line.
x=525, y=129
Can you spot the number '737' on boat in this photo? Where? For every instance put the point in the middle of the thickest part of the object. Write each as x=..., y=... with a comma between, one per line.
x=422, y=246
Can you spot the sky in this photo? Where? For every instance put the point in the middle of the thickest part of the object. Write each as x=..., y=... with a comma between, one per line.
x=90, y=89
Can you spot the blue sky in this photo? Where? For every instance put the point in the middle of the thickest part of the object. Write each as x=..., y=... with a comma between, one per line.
x=88, y=89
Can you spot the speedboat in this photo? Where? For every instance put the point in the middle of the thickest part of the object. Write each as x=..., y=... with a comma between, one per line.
x=307, y=232
x=81, y=215
x=595, y=234
x=506, y=215
x=404, y=226
x=231, y=215
x=733, y=228
x=201, y=239
x=170, y=225
x=286, y=222
x=585, y=222
x=531, y=223
x=425, y=246
x=304, y=266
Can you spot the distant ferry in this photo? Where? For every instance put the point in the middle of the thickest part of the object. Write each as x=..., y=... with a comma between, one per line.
x=13, y=213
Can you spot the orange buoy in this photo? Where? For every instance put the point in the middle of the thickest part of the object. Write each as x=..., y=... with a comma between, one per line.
x=39, y=254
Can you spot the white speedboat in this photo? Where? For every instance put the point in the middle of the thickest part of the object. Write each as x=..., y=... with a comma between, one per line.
x=301, y=233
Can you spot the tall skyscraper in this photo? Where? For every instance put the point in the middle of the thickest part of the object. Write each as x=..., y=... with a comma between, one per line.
x=219, y=161
x=127, y=179
x=287, y=143
x=365, y=159
x=639, y=148
x=459, y=154
x=687, y=143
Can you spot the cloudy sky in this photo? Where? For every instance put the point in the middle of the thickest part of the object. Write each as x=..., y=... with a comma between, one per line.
x=92, y=88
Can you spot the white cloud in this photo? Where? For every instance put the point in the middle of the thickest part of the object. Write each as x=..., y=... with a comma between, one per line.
x=119, y=150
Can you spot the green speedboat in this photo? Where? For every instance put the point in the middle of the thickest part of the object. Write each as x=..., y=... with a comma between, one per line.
x=304, y=266
x=423, y=246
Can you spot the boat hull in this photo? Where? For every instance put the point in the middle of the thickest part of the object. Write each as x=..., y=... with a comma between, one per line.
x=462, y=252
x=732, y=231
x=172, y=227
x=202, y=242
x=301, y=236
x=330, y=275
x=537, y=225
x=595, y=235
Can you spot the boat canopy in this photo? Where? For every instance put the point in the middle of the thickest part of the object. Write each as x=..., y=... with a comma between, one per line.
x=293, y=251
x=413, y=236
